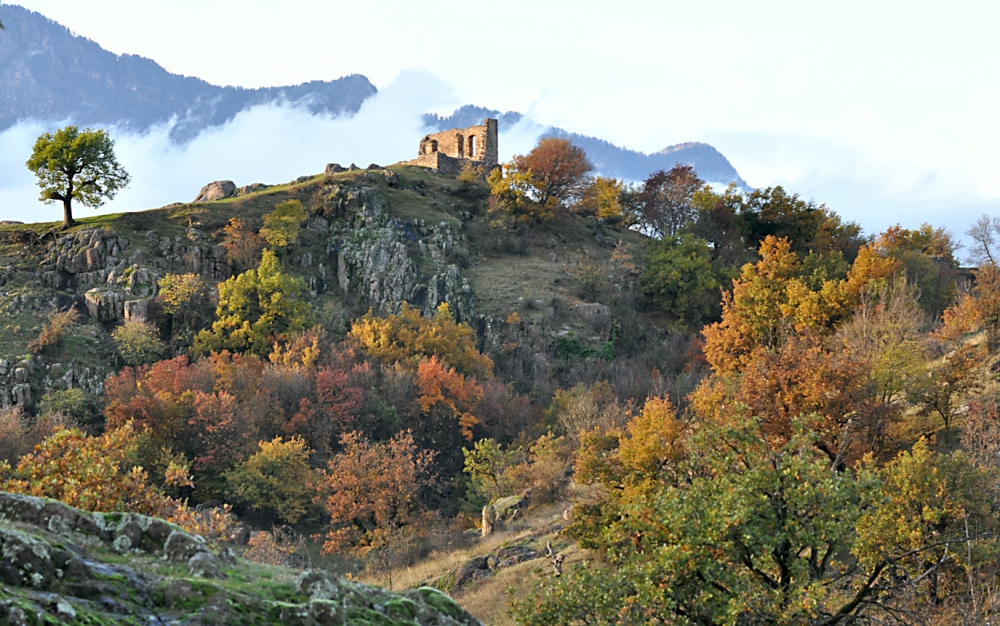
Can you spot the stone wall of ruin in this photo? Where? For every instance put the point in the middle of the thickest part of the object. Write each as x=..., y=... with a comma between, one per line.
x=478, y=144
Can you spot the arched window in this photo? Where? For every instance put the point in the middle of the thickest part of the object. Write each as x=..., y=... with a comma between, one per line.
x=472, y=146
x=460, y=140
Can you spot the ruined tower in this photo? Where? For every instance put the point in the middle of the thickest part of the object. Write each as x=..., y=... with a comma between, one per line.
x=449, y=150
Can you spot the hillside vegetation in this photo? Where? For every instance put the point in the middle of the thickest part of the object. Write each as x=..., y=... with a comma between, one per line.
x=627, y=404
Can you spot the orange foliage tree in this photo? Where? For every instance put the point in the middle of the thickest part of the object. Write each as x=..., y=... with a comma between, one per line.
x=374, y=499
x=243, y=245
x=441, y=385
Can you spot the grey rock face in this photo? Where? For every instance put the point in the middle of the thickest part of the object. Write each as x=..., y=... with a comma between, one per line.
x=136, y=310
x=105, y=305
x=377, y=257
x=216, y=191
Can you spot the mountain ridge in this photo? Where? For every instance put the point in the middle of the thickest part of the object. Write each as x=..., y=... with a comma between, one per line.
x=49, y=73
x=37, y=53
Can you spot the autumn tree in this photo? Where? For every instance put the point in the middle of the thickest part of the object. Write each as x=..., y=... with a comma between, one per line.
x=179, y=292
x=726, y=529
x=77, y=165
x=443, y=386
x=510, y=197
x=243, y=245
x=255, y=309
x=408, y=337
x=776, y=297
x=283, y=224
x=558, y=170
x=276, y=480
x=540, y=185
x=603, y=199
x=210, y=412
x=138, y=343
x=665, y=200
x=88, y=472
x=374, y=499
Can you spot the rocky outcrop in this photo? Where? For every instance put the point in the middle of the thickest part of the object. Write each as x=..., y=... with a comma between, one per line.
x=380, y=257
x=502, y=512
x=598, y=316
x=483, y=567
x=216, y=191
x=105, y=305
x=59, y=564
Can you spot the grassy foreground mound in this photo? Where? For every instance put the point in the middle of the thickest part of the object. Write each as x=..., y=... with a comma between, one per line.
x=62, y=565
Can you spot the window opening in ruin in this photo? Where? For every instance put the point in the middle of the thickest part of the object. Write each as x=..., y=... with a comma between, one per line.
x=460, y=140
x=434, y=145
x=472, y=146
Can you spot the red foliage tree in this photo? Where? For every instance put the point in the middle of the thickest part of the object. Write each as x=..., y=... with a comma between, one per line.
x=558, y=169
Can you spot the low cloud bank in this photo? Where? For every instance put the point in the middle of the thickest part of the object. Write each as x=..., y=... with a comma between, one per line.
x=267, y=144
x=274, y=144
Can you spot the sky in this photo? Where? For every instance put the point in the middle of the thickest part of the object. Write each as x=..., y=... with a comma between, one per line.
x=886, y=111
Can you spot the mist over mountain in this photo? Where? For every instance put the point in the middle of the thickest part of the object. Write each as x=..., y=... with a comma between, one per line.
x=49, y=74
x=607, y=158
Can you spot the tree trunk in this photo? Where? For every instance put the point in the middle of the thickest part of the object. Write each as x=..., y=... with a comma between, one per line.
x=68, y=213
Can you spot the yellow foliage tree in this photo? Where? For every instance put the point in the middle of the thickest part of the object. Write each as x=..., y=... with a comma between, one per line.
x=410, y=338
x=93, y=473
x=276, y=479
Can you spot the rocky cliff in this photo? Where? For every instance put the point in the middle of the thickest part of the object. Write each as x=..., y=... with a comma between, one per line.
x=373, y=239
x=62, y=565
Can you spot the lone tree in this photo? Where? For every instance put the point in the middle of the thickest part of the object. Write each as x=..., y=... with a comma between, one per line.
x=75, y=164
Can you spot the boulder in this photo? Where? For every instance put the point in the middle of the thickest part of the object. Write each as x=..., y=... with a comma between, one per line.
x=137, y=310
x=141, y=283
x=216, y=191
x=501, y=512
x=318, y=224
x=471, y=570
x=21, y=394
x=255, y=187
x=180, y=547
x=333, y=168
x=106, y=306
x=204, y=565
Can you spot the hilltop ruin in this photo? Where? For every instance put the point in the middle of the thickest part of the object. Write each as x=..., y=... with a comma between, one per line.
x=449, y=150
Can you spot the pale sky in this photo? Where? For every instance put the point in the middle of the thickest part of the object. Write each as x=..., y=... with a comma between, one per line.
x=885, y=110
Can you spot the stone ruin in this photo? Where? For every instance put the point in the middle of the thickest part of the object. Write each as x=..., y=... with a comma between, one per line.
x=449, y=150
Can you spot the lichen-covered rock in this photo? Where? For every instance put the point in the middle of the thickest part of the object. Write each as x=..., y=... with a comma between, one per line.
x=180, y=547
x=57, y=561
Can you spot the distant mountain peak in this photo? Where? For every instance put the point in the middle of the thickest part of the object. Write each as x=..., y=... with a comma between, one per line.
x=686, y=145
x=49, y=73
